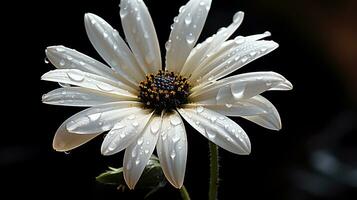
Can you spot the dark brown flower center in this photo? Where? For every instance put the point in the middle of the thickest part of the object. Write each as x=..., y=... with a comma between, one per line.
x=164, y=91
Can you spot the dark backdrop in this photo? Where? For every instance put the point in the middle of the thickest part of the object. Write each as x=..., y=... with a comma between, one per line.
x=313, y=157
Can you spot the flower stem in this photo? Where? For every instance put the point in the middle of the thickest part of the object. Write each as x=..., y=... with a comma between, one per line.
x=214, y=171
x=184, y=193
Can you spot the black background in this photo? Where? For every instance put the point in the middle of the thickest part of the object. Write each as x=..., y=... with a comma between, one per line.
x=311, y=158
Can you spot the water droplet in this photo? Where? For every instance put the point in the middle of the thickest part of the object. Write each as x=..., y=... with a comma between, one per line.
x=244, y=59
x=105, y=35
x=175, y=120
x=135, y=124
x=140, y=141
x=82, y=63
x=197, y=123
x=123, y=12
x=221, y=118
x=115, y=47
x=202, y=3
x=236, y=58
x=94, y=117
x=59, y=49
x=133, y=154
x=210, y=78
x=155, y=127
x=172, y=26
x=253, y=53
x=138, y=18
x=199, y=109
x=168, y=45
x=211, y=135
x=190, y=38
x=76, y=76
x=268, y=84
x=239, y=40
x=188, y=20
x=182, y=9
x=173, y=154
x=263, y=49
x=62, y=63
x=237, y=17
x=67, y=152
x=119, y=126
x=46, y=60
x=146, y=151
x=69, y=58
x=93, y=21
x=194, y=26
x=147, y=142
x=176, y=20
x=176, y=138
x=213, y=119
x=104, y=87
x=228, y=105
x=122, y=135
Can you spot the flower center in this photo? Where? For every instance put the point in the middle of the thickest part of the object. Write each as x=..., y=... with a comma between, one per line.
x=164, y=91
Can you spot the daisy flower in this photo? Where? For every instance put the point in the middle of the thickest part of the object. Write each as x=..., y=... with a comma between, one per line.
x=142, y=104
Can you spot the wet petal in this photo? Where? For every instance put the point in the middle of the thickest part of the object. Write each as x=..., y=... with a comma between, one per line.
x=218, y=128
x=172, y=149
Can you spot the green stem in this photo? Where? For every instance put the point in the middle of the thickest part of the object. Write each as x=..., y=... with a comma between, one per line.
x=214, y=171
x=184, y=193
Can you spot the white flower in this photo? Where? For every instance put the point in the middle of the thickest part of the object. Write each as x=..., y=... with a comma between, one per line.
x=141, y=106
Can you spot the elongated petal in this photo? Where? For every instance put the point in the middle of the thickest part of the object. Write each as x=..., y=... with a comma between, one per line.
x=218, y=128
x=242, y=86
x=66, y=141
x=125, y=132
x=66, y=58
x=219, y=54
x=236, y=58
x=209, y=46
x=77, y=96
x=138, y=153
x=186, y=30
x=269, y=119
x=102, y=117
x=113, y=49
x=172, y=149
x=141, y=35
x=87, y=80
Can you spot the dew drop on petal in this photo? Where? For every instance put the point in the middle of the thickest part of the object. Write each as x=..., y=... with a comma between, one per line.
x=175, y=120
x=188, y=20
x=67, y=152
x=122, y=135
x=173, y=154
x=175, y=138
x=182, y=9
x=199, y=109
x=133, y=154
x=176, y=20
x=253, y=53
x=190, y=38
x=140, y=141
x=76, y=77
x=213, y=119
x=228, y=105
x=46, y=60
x=146, y=151
x=168, y=45
x=104, y=87
x=263, y=49
x=62, y=63
x=244, y=59
x=94, y=117
x=221, y=118
x=202, y=3
x=128, y=166
x=211, y=135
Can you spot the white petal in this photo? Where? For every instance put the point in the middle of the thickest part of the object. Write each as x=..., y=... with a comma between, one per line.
x=269, y=119
x=66, y=141
x=125, y=132
x=66, y=58
x=172, y=149
x=138, y=153
x=213, y=58
x=209, y=46
x=141, y=35
x=77, y=96
x=186, y=30
x=218, y=128
x=88, y=80
x=235, y=58
x=239, y=87
x=101, y=118
x=113, y=49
